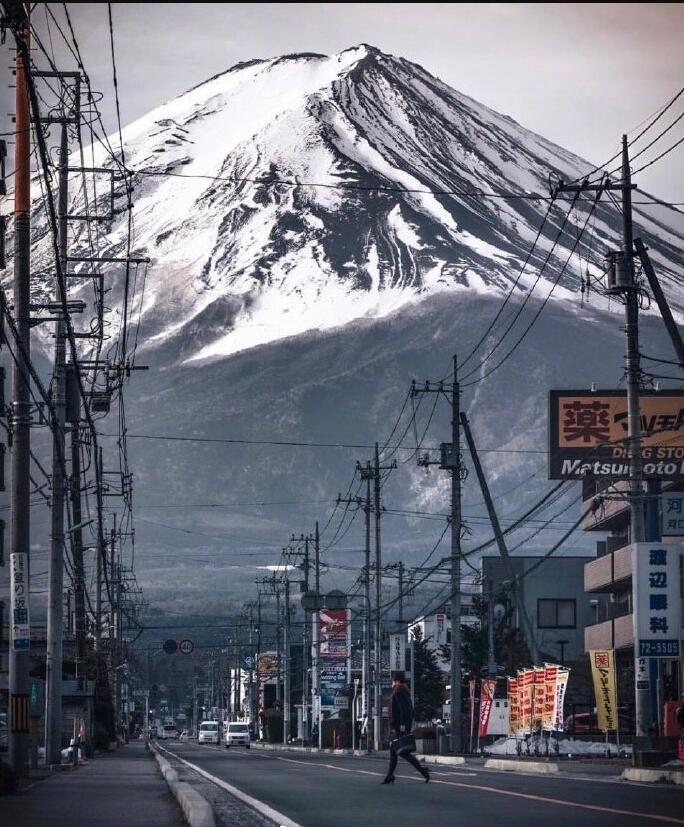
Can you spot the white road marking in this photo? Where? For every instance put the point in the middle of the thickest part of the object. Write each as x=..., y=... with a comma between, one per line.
x=254, y=803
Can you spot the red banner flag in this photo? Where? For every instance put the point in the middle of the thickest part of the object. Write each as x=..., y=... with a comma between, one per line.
x=486, y=699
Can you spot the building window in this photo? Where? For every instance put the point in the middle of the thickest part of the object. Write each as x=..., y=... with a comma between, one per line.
x=556, y=614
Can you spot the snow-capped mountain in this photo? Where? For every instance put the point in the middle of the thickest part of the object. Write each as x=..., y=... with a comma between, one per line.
x=238, y=259
x=271, y=311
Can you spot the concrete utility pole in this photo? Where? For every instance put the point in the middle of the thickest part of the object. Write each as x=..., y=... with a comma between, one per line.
x=279, y=659
x=77, y=550
x=450, y=460
x=21, y=419
x=305, y=650
x=99, y=555
x=317, y=638
x=377, y=671
x=286, y=675
x=501, y=543
x=456, y=520
x=633, y=370
x=491, y=659
x=54, y=652
x=621, y=281
x=367, y=615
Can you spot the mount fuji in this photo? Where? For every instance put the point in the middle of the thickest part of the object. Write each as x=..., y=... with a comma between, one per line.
x=322, y=229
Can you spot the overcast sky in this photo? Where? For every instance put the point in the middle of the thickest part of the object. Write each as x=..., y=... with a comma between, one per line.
x=579, y=74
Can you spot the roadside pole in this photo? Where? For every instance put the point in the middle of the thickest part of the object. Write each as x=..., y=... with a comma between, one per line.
x=21, y=425
x=317, y=638
x=55, y=620
x=286, y=675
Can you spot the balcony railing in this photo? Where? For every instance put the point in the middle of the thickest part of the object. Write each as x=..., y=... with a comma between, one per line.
x=608, y=572
x=612, y=634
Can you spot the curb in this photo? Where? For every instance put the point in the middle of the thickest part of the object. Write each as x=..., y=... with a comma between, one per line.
x=449, y=760
x=260, y=807
x=505, y=765
x=196, y=809
x=653, y=776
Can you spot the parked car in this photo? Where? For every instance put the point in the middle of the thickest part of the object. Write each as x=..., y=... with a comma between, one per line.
x=209, y=733
x=237, y=735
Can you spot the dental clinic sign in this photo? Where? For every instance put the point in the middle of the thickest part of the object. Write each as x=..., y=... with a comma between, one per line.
x=657, y=571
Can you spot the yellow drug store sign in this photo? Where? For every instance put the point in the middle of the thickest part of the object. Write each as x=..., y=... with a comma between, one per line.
x=603, y=674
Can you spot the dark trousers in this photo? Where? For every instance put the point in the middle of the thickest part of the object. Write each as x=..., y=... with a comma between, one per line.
x=408, y=756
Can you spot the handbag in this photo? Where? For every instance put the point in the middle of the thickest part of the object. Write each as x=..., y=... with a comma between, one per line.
x=403, y=745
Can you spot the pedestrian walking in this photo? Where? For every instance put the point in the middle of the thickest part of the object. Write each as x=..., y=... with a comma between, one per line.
x=401, y=724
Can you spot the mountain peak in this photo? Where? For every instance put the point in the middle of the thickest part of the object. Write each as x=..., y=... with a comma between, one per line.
x=308, y=191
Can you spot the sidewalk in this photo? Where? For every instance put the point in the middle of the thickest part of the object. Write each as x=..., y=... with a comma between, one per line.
x=117, y=788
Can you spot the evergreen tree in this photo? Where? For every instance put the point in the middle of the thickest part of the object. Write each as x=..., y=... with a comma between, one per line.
x=429, y=684
x=510, y=648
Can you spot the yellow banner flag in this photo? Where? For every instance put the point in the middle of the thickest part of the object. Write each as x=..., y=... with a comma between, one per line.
x=603, y=673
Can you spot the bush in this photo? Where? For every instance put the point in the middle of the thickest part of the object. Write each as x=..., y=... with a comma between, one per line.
x=9, y=779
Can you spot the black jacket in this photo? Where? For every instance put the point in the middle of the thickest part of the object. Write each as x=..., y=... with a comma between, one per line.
x=401, y=709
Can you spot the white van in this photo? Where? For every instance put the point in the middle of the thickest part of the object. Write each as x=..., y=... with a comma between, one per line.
x=209, y=733
x=237, y=734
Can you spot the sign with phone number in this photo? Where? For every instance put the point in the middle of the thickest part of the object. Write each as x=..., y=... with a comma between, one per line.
x=658, y=648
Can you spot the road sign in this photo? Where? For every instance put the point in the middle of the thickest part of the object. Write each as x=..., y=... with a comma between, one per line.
x=249, y=662
x=170, y=646
x=139, y=693
x=186, y=647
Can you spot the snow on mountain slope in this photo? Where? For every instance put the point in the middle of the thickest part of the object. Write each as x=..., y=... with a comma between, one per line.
x=238, y=259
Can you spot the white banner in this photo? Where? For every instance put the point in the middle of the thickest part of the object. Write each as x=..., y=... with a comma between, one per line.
x=397, y=653
x=19, y=602
x=657, y=572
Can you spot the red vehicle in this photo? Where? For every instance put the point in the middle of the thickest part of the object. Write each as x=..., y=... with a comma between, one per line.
x=586, y=723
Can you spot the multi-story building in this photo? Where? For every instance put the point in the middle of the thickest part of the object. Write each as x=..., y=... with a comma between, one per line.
x=611, y=571
x=553, y=594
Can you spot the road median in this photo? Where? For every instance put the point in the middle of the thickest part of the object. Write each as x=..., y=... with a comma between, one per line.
x=196, y=809
x=536, y=767
x=659, y=775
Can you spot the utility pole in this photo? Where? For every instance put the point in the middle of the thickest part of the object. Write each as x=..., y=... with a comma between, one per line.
x=491, y=659
x=501, y=543
x=258, y=653
x=367, y=599
x=374, y=474
x=279, y=658
x=77, y=551
x=633, y=370
x=366, y=474
x=305, y=650
x=317, y=637
x=113, y=642
x=21, y=417
x=286, y=676
x=621, y=281
x=99, y=556
x=54, y=651
x=450, y=460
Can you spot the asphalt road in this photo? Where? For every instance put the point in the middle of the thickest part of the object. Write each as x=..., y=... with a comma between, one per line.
x=330, y=791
